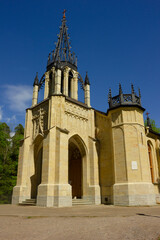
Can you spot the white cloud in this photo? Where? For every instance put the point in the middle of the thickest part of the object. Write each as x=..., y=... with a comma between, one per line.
x=12, y=134
x=18, y=97
x=11, y=119
x=1, y=113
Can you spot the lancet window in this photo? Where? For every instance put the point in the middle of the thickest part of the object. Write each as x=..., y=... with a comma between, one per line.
x=70, y=77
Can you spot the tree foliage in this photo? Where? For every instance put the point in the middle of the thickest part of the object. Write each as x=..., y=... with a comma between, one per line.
x=153, y=125
x=9, y=150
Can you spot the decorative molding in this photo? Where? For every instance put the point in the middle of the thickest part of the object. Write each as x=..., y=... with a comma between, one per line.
x=76, y=111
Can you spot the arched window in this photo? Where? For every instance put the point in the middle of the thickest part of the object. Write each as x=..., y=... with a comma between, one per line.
x=151, y=162
x=51, y=84
x=62, y=82
x=70, y=76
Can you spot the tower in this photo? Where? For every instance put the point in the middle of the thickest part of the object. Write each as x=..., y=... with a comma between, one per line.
x=132, y=182
x=58, y=161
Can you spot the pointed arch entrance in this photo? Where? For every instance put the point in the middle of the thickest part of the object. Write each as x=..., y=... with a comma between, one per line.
x=151, y=161
x=76, y=158
x=38, y=158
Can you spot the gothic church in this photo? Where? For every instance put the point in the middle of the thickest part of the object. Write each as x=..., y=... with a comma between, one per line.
x=74, y=154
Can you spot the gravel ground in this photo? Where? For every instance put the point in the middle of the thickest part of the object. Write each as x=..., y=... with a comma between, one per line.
x=79, y=222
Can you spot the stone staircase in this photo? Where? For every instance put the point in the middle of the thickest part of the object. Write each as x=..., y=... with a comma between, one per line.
x=80, y=201
x=28, y=202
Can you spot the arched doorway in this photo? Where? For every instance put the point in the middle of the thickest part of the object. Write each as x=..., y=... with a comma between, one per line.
x=75, y=166
x=151, y=162
x=75, y=170
x=37, y=177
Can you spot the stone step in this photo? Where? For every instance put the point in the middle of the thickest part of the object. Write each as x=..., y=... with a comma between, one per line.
x=28, y=202
x=80, y=202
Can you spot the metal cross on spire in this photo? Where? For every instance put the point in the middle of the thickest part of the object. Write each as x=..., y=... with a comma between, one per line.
x=147, y=113
x=64, y=16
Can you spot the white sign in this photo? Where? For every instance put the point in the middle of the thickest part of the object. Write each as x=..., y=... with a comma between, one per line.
x=134, y=165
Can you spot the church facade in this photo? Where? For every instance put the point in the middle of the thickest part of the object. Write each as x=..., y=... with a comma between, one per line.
x=72, y=153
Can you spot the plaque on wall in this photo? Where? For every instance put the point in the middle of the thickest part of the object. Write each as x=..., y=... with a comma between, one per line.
x=134, y=165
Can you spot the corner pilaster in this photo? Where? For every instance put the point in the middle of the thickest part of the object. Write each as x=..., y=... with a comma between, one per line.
x=58, y=81
x=46, y=89
x=66, y=71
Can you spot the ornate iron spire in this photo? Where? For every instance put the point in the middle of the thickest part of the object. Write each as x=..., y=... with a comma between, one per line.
x=62, y=53
x=87, y=79
x=36, y=81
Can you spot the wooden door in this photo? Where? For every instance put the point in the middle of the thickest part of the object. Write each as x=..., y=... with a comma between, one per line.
x=36, y=178
x=75, y=172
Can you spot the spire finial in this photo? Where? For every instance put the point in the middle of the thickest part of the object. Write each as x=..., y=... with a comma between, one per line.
x=148, y=121
x=87, y=79
x=139, y=93
x=109, y=95
x=132, y=87
x=36, y=81
x=64, y=16
x=120, y=89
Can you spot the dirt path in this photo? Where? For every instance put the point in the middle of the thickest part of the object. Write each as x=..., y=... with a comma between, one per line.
x=80, y=222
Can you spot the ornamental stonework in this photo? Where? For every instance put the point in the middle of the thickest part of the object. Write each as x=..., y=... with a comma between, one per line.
x=40, y=119
x=76, y=111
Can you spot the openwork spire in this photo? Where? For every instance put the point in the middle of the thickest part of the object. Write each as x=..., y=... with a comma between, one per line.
x=62, y=53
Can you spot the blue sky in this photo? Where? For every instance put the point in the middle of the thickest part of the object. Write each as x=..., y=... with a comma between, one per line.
x=116, y=41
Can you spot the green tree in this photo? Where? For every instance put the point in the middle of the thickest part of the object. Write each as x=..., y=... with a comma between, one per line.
x=9, y=150
x=153, y=125
x=16, y=139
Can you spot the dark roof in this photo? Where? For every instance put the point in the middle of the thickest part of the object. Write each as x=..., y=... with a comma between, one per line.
x=154, y=133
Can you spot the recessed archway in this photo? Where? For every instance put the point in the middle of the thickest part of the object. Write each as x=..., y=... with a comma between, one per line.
x=38, y=158
x=76, y=158
x=151, y=161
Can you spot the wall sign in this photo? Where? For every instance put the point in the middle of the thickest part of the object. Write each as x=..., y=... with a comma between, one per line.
x=134, y=165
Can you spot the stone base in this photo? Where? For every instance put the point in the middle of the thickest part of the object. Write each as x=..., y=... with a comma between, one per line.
x=93, y=195
x=54, y=195
x=134, y=194
x=158, y=198
x=20, y=193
